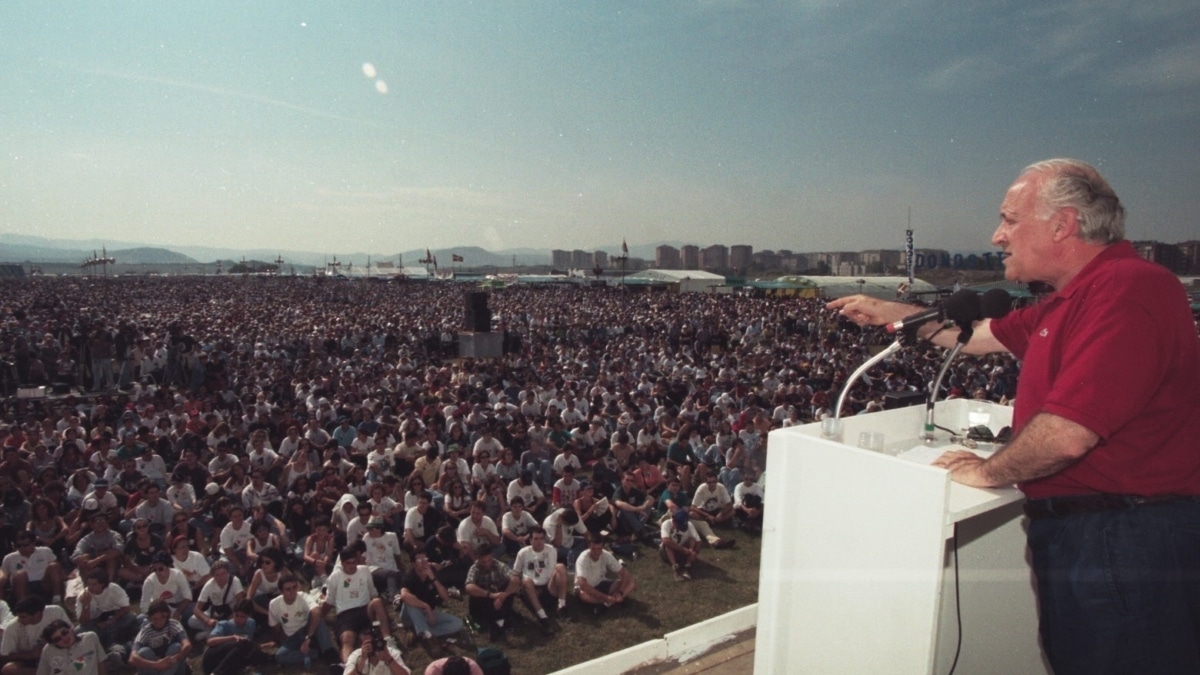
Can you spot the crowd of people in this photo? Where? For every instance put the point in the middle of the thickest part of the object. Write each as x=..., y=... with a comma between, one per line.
x=220, y=453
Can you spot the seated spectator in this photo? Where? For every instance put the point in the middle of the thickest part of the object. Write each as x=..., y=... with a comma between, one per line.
x=421, y=522
x=264, y=585
x=21, y=645
x=82, y=651
x=383, y=555
x=351, y=593
x=231, y=645
x=543, y=578
x=299, y=625
x=169, y=585
x=632, y=508
x=104, y=610
x=234, y=536
x=712, y=503
x=140, y=549
x=102, y=548
x=319, y=550
x=491, y=587
x=421, y=594
x=216, y=600
x=477, y=530
x=565, y=532
x=600, y=579
x=161, y=646
x=680, y=544
x=516, y=526
x=454, y=665
x=448, y=559
x=32, y=569
x=375, y=657
x=748, y=503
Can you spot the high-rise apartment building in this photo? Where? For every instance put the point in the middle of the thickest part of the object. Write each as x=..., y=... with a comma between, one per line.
x=740, y=257
x=666, y=257
x=715, y=257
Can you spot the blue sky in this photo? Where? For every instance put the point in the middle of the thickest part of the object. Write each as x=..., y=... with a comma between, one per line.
x=811, y=125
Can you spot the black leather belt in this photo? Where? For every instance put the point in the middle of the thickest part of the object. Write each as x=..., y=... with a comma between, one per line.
x=1057, y=507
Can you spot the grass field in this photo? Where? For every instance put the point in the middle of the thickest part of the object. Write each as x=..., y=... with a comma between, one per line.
x=723, y=580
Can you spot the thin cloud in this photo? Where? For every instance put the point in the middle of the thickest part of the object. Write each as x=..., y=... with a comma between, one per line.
x=227, y=93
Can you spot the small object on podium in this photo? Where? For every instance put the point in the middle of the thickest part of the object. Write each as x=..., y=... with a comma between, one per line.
x=871, y=440
x=831, y=428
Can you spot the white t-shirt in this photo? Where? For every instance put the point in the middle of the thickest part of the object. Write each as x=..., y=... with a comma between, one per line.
x=292, y=617
x=111, y=599
x=529, y=493
x=194, y=568
x=347, y=591
x=174, y=591
x=519, y=527
x=681, y=537
x=551, y=524
x=234, y=538
x=596, y=571
x=536, y=566
x=714, y=499
x=740, y=492
x=413, y=520
x=81, y=658
x=468, y=532
x=21, y=638
x=382, y=551
x=35, y=565
x=215, y=595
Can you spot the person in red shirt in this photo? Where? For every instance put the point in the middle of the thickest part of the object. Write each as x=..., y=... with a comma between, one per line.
x=1107, y=416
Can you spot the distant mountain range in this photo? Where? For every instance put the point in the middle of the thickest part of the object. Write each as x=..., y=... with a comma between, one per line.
x=17, y=248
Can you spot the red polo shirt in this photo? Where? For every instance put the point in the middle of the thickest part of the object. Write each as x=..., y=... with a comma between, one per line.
x=1115, y=351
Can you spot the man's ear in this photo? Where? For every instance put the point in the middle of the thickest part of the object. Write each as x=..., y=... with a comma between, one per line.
x=1066, y=224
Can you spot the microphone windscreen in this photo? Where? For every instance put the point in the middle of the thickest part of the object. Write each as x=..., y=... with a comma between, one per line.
x=963, y=307
x=996, y=303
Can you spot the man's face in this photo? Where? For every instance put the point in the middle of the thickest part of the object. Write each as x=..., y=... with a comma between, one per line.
x=595, y=549
x=1024, y=235
x=290, y=590
x=30, y=619
x=538, y=541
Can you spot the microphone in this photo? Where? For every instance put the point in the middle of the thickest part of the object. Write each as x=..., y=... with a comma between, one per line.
x=995, y=303
x=963, y=307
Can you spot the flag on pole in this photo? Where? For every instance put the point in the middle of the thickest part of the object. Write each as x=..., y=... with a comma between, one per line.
x=624, y=246
x=454, y=257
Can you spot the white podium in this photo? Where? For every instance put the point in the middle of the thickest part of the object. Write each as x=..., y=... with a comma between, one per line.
x=858, y=569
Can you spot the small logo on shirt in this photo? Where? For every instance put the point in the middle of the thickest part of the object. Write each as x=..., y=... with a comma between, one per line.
x=1044, y=332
